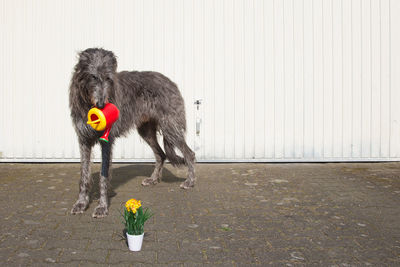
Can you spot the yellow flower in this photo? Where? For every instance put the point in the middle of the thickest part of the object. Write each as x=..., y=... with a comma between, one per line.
x=132, y=205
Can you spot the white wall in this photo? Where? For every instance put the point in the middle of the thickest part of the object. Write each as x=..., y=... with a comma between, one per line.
x=303, y=80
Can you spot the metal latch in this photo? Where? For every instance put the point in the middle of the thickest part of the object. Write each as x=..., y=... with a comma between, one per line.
x=198, y=103
x=198, y=117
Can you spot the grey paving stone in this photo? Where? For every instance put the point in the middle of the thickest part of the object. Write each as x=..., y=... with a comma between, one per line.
x=93, y=256
x=127, y=256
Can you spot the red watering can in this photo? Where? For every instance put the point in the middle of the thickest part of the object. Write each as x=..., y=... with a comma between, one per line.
x=103, y=119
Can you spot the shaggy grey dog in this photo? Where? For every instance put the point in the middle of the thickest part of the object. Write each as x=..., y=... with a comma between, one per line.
x=147, y=100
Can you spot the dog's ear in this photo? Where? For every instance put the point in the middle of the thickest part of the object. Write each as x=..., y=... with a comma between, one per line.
x=113, y=59
x=115, y=64
x=84, y=55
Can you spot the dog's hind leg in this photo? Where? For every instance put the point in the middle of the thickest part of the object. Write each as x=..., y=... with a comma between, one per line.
x=86, y=179
x=148, y=131
x=105, y=177
x=173, y=138
x=190, y=159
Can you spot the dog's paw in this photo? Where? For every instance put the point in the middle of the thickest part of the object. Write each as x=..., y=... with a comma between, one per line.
x=79, y=207
x=187, y=184
x=149, y=181
x=100, y=212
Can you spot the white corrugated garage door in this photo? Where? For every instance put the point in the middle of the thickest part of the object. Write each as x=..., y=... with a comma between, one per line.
x=293, y=80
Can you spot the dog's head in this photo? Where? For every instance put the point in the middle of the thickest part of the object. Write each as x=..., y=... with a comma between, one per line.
x=95, y=75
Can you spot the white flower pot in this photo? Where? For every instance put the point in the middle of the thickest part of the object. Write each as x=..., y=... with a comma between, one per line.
x=134, y=241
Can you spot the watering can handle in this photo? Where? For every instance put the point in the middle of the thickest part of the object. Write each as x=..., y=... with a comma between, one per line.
x=93, y=122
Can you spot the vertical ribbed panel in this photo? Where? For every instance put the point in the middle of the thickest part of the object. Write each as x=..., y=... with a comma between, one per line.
x=280, y=80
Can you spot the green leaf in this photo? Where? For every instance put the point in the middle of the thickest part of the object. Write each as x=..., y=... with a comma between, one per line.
x=134, y=222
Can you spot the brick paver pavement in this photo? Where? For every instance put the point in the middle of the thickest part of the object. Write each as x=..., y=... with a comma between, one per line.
x=238, y=214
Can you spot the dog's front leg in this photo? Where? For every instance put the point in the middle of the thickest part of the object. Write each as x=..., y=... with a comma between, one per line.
x=105, y=177
x=86, y=179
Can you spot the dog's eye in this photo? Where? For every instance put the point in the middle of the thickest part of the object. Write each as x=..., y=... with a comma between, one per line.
x=93, y=77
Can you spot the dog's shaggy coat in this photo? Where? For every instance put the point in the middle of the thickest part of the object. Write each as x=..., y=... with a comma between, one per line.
x=147, y=100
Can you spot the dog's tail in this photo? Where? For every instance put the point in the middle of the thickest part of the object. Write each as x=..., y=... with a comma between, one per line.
x=171, y=155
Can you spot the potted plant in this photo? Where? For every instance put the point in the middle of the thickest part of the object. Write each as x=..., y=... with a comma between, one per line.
x=135, y=217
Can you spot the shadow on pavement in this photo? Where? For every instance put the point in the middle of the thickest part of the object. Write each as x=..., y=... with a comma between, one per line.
x=122, y=175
